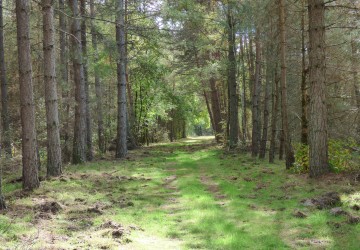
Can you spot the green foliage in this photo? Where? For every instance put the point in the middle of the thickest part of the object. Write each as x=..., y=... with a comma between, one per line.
x=301, y=164
x=342, y=156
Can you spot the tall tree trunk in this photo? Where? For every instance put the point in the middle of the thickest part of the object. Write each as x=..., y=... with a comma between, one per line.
x=274, y=115
x=304, y=94
x=6, y=138
x=29, y=143
x=256, y=129
x=318, y=134
x=79, y=146
x=98, y=88
x=66, y=152
x=89, y=148
x=231, y=80
x=289, y=153
x=121, y=145
x=354, y=62
x=51, y=99
x=243, y=94
x=130, y=120
x=269, y=72
x=4, y=103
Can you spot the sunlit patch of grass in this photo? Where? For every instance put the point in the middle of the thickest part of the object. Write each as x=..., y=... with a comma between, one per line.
x=251, y=207
x=10, y=187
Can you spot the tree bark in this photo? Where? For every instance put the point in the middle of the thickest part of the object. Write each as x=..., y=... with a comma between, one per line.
x=256, y=128
x=304, y=94
x=65, y=134
x=89, y=147
x=51, y=99
x=215, y=107
x=231, y=78
x=4, y=104
x=289, y=153
x=29, y=144
x=98, y=88
x=243, y=99
x=209, y=110
x=354, y=62
x=274, y=115
x=79, y=146
x=2, y=198
x=6, y=137
x=121, y=145
x=318, y=134
x=269, y=70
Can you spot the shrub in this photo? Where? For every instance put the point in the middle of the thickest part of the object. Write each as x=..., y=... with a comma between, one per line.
x=343, y=156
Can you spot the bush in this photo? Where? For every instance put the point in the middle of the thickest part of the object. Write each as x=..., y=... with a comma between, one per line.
x=343, y=156
x=301, y=164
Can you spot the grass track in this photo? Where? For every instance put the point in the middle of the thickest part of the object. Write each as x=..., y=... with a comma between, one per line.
x=186, y=195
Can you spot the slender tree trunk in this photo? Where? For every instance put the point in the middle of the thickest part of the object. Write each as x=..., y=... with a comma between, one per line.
x=66, y=152
x=130, y=120
x=79, y=146
x=98, y=88
x=6, y=138
x=256, y=129
x=304, y=94
x=2, y=198
x=354, y=62
x=269, y=70
x=121, y=146
x=183, y=130
x=274, y=117
x=251, y=64
x=232, y=85
x=209, y=110
x=89, y=148
x=281, y=141
x=289, y=153
x=215, y=107
x=51, y=99
x=243, y=99
x=29, y=143
x=318, y=136
x=4, y=104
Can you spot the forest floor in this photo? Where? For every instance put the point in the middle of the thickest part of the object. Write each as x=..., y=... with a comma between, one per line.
x=185, y=195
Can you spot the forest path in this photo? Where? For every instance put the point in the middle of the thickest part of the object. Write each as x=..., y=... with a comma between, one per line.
x=185, y=195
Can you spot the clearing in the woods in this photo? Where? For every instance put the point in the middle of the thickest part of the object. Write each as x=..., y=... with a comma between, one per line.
x=185, y=195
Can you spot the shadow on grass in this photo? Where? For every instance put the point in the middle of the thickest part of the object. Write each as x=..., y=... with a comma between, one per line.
x=160, y=190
